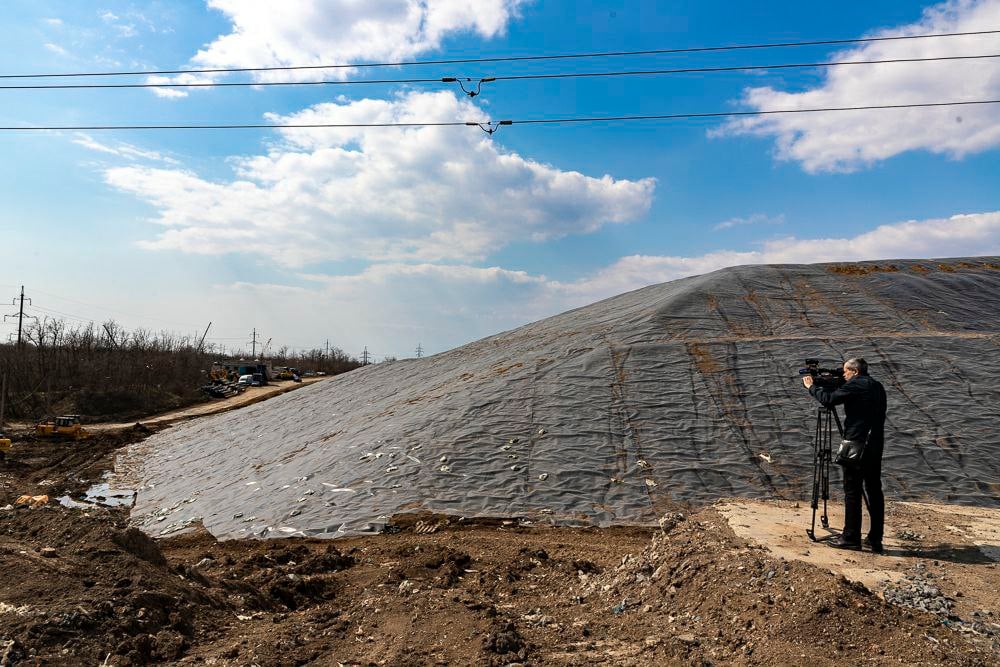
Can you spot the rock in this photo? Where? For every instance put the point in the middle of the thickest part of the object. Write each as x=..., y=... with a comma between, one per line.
x=669, y=521
x=140, y=545
x=49, y=552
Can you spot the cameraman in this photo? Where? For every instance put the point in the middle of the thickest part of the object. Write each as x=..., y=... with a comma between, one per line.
x=864, y=404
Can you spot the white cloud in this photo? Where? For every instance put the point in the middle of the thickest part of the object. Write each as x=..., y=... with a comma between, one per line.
x=175, y=93
x=53, y=21
x=849, y=140
x=109, y=16
x=392, y=306
x=755, y=219
x=56, y=49
x=324, y=32
x=958, y=236
x=122, y=149
x=380, y=194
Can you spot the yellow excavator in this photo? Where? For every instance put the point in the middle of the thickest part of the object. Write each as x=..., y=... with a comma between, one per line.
x=66, y=426
x=4, y=446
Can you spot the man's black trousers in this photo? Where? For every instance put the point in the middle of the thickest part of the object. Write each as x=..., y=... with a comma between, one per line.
x=868, y=476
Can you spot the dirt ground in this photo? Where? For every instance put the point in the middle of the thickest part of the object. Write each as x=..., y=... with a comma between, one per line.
x=738, y=583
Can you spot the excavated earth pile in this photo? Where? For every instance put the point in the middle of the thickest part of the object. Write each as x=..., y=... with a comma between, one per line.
x=685, y=391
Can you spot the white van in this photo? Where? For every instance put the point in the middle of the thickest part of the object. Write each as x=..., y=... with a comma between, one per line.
x=245, y=380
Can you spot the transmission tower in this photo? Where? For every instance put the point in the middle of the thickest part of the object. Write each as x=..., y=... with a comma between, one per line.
x=365, y=357
x=253, y=343
x=420, y=350
x=20, y=314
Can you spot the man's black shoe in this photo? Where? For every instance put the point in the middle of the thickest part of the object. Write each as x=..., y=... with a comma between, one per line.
x=876, y=547
x=841, y=543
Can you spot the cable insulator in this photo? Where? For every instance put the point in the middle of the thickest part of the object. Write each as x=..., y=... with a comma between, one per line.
x=468, y=91
x=490, y=128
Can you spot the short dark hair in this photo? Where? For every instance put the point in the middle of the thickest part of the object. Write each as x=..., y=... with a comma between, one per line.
x=857, y=364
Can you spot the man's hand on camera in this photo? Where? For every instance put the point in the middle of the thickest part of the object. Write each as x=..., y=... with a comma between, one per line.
x=807, y=381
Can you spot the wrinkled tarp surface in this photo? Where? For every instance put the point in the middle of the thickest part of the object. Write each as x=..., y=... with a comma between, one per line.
x=687, y=390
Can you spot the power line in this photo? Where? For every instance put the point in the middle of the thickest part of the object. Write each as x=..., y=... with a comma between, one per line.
x=458, y=61
x=518, y=77
x=113, y=312
x=490, y=127
x=52, y=311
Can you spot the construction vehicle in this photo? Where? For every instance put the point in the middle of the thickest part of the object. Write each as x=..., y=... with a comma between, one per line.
x=4, y=446
x=66, y=426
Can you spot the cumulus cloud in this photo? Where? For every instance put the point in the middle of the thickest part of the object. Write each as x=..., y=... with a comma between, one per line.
x=849, y=140
x=324, y=32
x=382, y=194
x=54, y=21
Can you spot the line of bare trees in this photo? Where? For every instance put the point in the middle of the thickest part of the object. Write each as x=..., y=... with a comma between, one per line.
x=106, y=371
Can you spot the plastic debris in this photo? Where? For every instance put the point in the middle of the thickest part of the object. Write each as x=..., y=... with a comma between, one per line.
x=31, y=501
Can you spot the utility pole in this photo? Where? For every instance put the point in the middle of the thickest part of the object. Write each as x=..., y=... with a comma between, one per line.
x=327, y=354
x=19, y=316
x=365, y=357
x=253, y=353
x=420, y=351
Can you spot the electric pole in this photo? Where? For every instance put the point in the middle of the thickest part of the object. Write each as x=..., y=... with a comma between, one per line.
x=420, y=351
x=364, y=357
x=253, y=352
x=20, y=315
x=327, y=354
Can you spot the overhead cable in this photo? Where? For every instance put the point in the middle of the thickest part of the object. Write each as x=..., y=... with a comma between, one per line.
x=518, y=77
x=499, y=59
x=484, y=125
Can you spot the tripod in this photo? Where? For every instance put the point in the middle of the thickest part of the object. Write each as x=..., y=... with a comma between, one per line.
x=822, y=456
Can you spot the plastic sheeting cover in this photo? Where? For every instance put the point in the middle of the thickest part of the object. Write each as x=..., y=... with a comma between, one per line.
x=687, y=390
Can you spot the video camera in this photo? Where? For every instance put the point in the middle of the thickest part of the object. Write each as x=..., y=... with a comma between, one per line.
x=823, y=377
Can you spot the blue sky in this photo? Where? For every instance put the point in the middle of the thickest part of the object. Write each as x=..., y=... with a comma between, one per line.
x=385, y=237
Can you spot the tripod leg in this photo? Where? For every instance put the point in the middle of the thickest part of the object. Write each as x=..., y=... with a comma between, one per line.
x=826, y=455
x=817, y=475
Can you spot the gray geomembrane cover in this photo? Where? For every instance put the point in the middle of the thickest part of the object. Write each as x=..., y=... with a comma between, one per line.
x=685, y=391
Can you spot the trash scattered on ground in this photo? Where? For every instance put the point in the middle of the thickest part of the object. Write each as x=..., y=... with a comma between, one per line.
x=908, y=535
x=31, y=501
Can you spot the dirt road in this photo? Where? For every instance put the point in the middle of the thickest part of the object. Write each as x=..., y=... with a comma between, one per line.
x=213, y=406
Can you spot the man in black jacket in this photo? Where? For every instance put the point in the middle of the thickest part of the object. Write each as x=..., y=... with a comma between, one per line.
x=863, y=399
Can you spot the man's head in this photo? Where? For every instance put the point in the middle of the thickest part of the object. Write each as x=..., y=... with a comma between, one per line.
x=855, y=367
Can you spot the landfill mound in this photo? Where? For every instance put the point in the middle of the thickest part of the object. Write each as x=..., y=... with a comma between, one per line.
x=685, y=391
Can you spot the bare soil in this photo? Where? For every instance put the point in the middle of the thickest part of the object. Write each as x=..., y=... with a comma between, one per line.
x=80, y=587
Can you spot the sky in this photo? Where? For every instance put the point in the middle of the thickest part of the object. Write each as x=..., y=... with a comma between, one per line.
x=387, y=238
